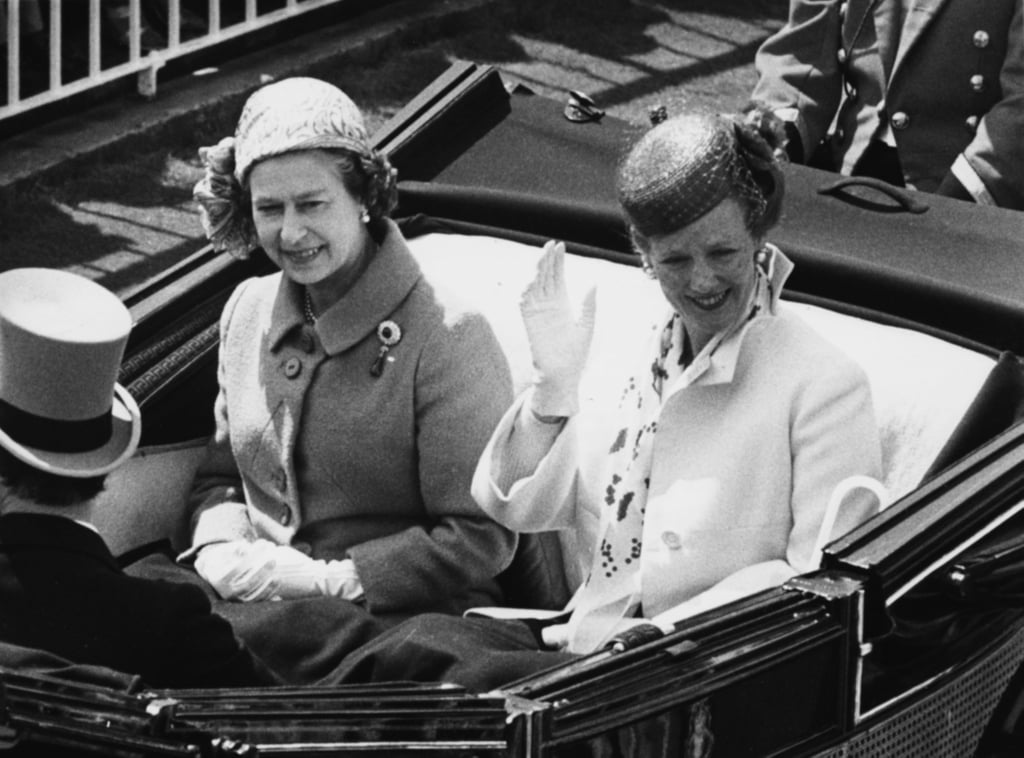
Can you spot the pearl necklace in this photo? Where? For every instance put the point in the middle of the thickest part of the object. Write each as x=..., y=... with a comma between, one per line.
x=307, y=308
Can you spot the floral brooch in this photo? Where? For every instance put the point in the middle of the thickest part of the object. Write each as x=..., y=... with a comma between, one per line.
x=389, y=334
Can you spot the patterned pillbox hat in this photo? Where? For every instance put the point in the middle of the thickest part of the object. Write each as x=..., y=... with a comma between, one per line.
x=686, y=165
x=677, y=172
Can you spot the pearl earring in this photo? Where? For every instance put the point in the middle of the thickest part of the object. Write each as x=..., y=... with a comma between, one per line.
x=365, y=216
x=645, y=264
x=761, y=257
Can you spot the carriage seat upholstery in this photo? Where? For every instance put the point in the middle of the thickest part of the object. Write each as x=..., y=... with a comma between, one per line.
x=922, y=386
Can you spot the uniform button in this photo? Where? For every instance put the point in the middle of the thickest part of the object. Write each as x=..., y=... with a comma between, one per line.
x=842, y=56
x=286, y=516
x=292, y=368
x=671, y=540
x=971, y=122
x=977, y=82
x=900, y=120
x=307, y=342
x=980, y=38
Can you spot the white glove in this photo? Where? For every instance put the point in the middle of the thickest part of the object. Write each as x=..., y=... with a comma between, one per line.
x=340, y=579
x=555, y=636
x=231, y=569
x=262, y=570
x=559, y=343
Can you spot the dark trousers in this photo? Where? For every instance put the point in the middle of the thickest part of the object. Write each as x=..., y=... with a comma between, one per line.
x=302, y=641
x=328, y=641
x=480, y=654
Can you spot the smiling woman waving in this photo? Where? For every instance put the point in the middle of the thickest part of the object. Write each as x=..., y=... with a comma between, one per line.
x=734, y=431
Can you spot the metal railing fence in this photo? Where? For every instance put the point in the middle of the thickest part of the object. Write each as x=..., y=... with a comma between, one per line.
x=53, y=49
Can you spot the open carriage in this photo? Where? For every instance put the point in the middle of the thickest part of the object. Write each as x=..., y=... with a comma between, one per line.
x=909, y=640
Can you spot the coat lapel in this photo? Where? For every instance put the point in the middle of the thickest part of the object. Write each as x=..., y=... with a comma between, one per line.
x=917, y=20
x=887, y=17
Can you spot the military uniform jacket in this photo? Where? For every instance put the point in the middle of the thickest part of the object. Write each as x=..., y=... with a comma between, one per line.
x=62, y=591
x=953, y=85
x=314, y=450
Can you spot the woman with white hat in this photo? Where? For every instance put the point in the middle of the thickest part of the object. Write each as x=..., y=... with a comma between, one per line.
x=64, y=425
x=355, y=396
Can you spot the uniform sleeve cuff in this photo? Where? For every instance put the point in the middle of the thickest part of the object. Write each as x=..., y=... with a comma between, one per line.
x=968, y=177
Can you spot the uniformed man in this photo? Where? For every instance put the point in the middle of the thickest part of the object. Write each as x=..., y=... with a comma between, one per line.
x=927, y=94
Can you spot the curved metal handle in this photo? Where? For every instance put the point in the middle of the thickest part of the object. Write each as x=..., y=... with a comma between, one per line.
x=908, y=203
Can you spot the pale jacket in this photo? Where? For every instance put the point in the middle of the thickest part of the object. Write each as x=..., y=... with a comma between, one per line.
x=312, y=450
x=751, y=443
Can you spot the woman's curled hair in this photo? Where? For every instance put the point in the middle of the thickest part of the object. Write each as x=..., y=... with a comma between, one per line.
x=760, y=142
x=371, y=179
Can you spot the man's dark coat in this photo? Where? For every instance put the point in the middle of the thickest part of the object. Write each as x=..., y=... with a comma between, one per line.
x=62, y=591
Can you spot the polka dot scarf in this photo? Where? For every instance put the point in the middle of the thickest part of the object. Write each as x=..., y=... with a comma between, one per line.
x=614, y=574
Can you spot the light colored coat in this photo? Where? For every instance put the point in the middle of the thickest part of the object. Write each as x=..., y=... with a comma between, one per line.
x=954, y=70
x=749, y=449
x=312, y=450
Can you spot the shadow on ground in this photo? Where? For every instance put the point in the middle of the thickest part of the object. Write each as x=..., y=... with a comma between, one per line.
x=130, y=216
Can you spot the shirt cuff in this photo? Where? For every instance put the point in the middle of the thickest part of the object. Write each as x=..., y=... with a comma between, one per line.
x=969, y=178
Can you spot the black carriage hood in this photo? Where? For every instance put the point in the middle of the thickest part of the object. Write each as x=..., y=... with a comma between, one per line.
x=512, y=163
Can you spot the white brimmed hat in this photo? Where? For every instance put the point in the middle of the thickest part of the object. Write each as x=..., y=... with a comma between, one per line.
x=62, y=338
x=299, y=113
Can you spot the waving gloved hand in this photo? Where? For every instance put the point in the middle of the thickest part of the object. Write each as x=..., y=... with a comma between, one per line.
x=262, y=570
x=559, y=342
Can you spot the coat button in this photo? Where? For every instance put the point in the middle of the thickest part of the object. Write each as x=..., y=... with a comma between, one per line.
x=286, y=516
x=307, y=341
x=971, y=122
x=280, y=480
x=292, y=368
x=842, y=56
x=977, y=82
x=980, y=38
x=671, y=540
x=900, y=120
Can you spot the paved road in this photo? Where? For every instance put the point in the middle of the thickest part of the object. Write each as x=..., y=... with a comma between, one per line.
x=124, y=217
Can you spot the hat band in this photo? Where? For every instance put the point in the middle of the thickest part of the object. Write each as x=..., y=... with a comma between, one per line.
x=55, y=435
